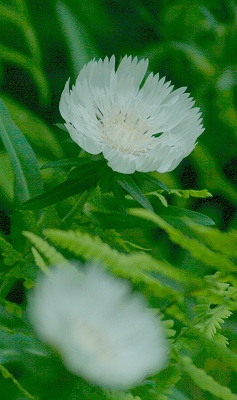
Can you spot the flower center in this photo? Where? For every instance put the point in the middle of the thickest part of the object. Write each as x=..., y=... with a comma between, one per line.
x=126, y=132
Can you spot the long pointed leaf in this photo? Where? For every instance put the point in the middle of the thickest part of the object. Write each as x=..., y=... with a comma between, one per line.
x=87, y=178
x=28, y=182
x=66, y=162
x=130, y=186
x=153, y=180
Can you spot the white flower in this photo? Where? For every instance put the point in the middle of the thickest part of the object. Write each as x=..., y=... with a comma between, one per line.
x=102, y=331
x=147, y=128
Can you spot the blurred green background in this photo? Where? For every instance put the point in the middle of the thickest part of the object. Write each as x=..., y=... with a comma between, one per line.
x=192, y=43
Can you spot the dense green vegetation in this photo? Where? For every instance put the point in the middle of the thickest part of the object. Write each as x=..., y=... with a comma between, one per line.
x=164, y=242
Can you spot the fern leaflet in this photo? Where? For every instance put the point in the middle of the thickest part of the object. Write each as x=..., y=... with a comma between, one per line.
x=205, y=381
x=198, y=250
x=53, y=256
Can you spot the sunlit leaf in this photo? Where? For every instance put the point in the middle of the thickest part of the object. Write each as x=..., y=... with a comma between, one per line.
x=28, y=182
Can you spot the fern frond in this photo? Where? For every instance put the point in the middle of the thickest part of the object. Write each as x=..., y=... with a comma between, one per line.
x=135, y=267
x=198, y=250
x=205, y=381
x=175, y=312
x=217, y=291
x=7, y=375
x=169, y=324
x=10, y=255
x=221, y=340
x=164, y=382
x=49, y=252
x=223, y=242
x=201, y=194
x=213, y=321
x=213, y=347
x=82, y=244
x=39, y=261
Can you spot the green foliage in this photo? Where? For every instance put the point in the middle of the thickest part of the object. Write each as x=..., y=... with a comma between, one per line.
x=167, y=248
x=10, y=255
x=205, y=381
x=122, y=396
x=201, y=194
x=81, y=46
x=7, y=375
x=197, y=249
x=207, y=321
x=32, y=62
x=28, y=182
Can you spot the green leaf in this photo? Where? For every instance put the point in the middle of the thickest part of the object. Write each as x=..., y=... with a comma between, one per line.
x=10, y=255
x=197, y=57
x=28, y=182
x=66, y=162
x=41, y=137
x=160, y=197
x=7, y=375
x=130, y=186
x=152, y=179
x=89, y=175
x=80, y=44
x=119, y=197
x=197, y=249
x=176, y=215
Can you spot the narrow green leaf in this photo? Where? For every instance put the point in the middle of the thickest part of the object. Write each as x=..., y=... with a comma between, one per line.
x=152, y=179
x=197, y=57
x=88, y=177
x=161, y=198
x=196, y=249
x=56, y=194
x=62, y=127
x=130, y=186
x=175, y=215
x=80, y=44
x=7, y=375
x=41, y=136
x=66, y=162
x=119, y=197
x=28, y=182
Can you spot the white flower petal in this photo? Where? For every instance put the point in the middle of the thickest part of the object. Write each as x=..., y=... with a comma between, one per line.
x=83, y=141
x=103, y=332
x=146, y=128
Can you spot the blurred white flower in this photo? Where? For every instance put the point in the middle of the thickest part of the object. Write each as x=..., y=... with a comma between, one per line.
x=102, y=331
x=137, y=128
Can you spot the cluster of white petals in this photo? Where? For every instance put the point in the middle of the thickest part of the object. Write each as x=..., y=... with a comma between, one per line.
x=148, y=127
x=102, y=331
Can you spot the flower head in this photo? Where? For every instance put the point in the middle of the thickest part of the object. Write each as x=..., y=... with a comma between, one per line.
x=137, y=128
x=103, y=332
